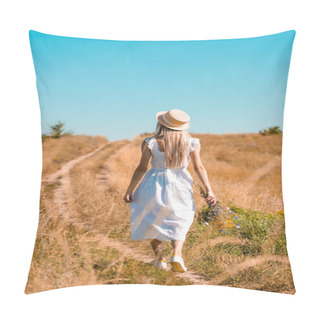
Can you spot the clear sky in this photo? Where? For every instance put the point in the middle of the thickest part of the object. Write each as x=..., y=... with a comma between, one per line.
x=115, y=88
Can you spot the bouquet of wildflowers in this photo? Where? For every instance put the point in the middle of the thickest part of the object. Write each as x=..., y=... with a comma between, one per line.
x=220, y=217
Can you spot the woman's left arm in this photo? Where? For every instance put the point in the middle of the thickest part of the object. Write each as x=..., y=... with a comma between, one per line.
x=139, y=172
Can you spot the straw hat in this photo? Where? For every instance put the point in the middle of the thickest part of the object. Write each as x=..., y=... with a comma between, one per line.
x=174, y=119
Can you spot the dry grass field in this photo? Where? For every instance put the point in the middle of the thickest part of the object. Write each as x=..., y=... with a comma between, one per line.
x=83, y=236
x=56, y=152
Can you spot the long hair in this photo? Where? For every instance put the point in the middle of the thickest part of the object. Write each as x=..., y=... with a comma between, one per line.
x=176, y=144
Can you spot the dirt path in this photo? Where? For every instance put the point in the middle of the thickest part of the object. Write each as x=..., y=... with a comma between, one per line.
x=255, y=176
x=103, y=177
x=62, y=193
x=250, y=262
x=69, y=165
x=129, y=251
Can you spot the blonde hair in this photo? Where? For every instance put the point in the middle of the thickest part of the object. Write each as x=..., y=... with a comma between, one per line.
x=176, y=145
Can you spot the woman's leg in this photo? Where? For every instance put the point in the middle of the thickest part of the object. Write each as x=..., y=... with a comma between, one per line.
x=157, y=248
x=177, y=247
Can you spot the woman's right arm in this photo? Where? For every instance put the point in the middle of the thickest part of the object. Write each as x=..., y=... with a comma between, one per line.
x=201, y=172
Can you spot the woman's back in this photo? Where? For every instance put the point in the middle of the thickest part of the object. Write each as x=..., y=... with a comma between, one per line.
x=158, y=158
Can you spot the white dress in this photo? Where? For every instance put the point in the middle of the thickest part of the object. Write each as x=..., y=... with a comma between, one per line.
x=163, y=206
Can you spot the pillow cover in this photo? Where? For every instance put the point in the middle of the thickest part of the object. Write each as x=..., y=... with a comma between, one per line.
x=98, y=100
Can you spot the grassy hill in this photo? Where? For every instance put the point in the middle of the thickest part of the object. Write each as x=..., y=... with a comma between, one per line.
x=84, y=228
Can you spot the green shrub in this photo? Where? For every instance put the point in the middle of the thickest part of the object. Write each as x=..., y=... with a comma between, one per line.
x=57, y=130
x=254, y=225
x=271, y=130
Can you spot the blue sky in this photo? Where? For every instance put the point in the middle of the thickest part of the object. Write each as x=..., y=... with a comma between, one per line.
x=115, y=88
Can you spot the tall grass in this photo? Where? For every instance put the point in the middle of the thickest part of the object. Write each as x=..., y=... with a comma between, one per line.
x=73, y=249
x=56, y=152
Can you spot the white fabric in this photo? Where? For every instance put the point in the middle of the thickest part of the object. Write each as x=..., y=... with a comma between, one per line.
x=163, y=206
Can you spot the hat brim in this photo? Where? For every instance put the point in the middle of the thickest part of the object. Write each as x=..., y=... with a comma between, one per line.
x=162, y=121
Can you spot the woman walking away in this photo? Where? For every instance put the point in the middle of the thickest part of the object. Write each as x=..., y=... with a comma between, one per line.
x=162, y=207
